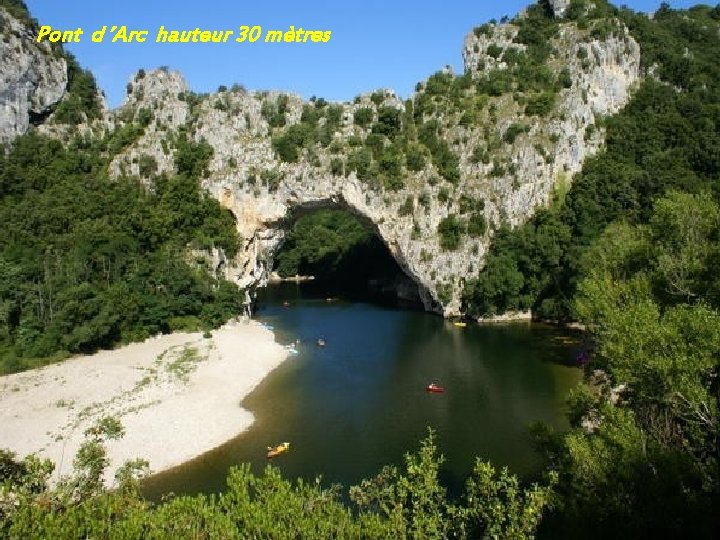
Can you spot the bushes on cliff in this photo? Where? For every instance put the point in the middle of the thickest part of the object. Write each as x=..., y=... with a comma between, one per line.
x=451, y=230
x=81, y=103
x=19, y=10
x=663, y=139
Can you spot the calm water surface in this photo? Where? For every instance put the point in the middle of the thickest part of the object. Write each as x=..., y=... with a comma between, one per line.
x=360, y=402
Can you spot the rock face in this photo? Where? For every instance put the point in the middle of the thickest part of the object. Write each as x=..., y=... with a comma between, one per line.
x=248, y=178
x=32, y=78
x=559, y=7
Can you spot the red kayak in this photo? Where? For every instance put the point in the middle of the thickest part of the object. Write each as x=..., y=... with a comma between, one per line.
x=432, y=387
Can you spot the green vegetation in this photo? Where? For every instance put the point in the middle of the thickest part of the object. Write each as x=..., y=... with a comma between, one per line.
x=397, y=503
x=650, y=299
x=338, y=249
x=317, y=125
x=274, y=112
x=87, y=262
x=536, y=30
x=389, y=141
x=664, y=139
x=184, y=363
x=450, y=230
x=363, y=117
x=320, y=242
x=447, y=162
x=630, y=250
x=19, y=10
x=81, y=104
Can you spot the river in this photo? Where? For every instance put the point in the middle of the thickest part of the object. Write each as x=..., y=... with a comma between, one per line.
x=360, y=402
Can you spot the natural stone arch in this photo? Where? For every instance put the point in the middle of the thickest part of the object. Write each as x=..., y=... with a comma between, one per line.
x=522, y=175
x=264, y=220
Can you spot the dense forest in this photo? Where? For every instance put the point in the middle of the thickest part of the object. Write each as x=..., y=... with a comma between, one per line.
x=630, y=251
x=87, y=262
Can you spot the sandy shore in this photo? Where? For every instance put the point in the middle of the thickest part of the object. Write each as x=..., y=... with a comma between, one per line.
x=177, y=396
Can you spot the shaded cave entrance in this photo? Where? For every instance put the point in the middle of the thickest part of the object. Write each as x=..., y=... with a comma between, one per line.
x=346, y=257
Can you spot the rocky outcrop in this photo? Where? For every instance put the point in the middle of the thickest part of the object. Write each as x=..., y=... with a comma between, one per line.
x=162, y=93
x=248, y=178
x=33, y=78
x=559, y=7
x=507, y=317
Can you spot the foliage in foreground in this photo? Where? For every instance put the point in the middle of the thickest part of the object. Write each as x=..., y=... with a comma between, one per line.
x=395, y=504
x=642, y=459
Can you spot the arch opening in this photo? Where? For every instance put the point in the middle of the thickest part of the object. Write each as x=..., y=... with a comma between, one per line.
x=344, y=253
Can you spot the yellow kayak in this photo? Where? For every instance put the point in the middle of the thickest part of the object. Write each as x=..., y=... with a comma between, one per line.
x=277, y=450
x=460, y=324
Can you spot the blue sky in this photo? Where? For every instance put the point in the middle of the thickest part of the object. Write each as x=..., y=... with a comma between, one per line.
x=374, y=44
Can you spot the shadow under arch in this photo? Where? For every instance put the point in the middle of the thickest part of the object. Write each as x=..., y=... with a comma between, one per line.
x=321, y=238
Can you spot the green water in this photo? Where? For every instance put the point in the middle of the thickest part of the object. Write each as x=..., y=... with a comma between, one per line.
x=360, y=402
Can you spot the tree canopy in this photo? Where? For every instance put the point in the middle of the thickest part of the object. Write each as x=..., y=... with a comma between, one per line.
x=86, y=262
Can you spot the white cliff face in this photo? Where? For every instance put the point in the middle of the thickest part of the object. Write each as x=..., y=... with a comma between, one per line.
x=32, y=78
x=559, y=7
x=247, y=177
x=163, y=95
x=603, y=73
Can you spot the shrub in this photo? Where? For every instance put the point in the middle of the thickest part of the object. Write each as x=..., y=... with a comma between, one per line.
x=450, y=230
x=363, y=117
x=407, y=207
x=476, y=225
x=337, y=167
x=414, y=158
x=540, y=104
x=494, y=51
x=389, y=122
x=295, y=138
x=513, y=130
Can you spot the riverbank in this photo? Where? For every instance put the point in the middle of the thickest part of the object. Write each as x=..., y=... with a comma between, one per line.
x=177, y=396
x=276, y=278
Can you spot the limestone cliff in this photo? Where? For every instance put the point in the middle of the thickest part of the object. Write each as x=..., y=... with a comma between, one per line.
x=247, y=176
x=487, y=146
x=33, y=77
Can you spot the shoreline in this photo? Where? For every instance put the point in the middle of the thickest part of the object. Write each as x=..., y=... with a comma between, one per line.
x=177, y=396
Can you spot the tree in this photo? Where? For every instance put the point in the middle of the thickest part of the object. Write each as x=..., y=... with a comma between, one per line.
x=363, y=117
x=642, y=459
x=450, y=230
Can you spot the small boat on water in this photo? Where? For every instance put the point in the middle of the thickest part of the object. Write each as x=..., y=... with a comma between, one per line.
x=460, y=324
x=292, y=347
x=274, y=451
x=435, y=388
x=320, y=342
